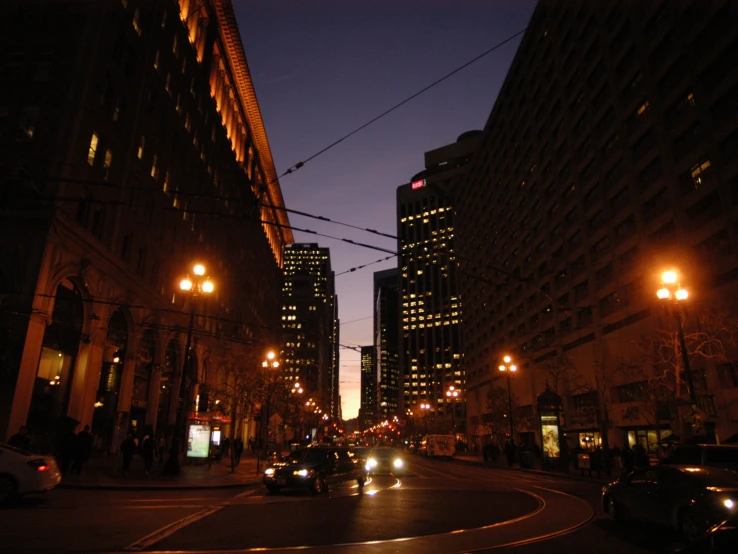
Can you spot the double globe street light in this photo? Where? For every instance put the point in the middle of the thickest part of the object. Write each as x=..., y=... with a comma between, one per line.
x=508, y=368
x=453, y=394
x=424, y=407
x=673, y=294
x=194, y=287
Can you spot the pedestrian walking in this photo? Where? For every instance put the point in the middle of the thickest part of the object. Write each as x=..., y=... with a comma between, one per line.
x=148, y=451
x=82, y=450
x=67, y=450
x=127, y=449
x=627, y=457
x=162, y=447
x=226, y=446
x=510, y=452
x=640, y=457
x=237, y=450
x=21, y=439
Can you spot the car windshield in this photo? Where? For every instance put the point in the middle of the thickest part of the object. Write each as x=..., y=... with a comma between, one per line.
x=15, y=449
x=715, y=456
x=362, y=452
x=308, y=455
x=384, y=453
x=722, y=457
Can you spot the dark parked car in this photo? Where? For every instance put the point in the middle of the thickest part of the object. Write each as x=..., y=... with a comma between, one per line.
x=385, y=460
x=713, y=455
x=691, y=499
x=314, y=469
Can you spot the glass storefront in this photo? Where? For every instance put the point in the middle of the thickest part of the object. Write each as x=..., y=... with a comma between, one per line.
x=590, y=441
x=648, y=438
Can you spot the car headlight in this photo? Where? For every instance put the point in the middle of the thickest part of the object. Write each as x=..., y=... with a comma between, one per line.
x=398, y=463
x=729, y=503
x=371, y=462
x=303, y=472
x=269, y=471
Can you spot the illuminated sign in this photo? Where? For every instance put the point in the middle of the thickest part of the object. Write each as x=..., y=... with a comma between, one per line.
x=419, y=184
x=198, y=442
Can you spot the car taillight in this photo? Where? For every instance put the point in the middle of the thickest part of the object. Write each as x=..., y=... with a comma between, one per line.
x=39, y=465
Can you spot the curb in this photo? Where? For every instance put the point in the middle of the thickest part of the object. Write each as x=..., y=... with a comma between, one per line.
x=163, y=487
x=539, y=472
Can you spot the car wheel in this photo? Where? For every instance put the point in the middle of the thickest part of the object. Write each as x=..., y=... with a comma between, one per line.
x=693, y=524
x=614, y=509
x=273, y=489
x=318, y=485
x=8, y=488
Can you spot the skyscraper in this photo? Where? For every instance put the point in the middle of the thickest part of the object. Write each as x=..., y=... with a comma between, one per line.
x=368, y=409
x=309, y=323
x=609, y=155
x=386, y=341
x=431, y=352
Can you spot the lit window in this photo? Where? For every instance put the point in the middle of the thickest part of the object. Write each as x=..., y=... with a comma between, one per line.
x=93, y=149
x=155, y=167
x=156, y=60
x=137, y=22
x=643, y=108
x=141, y=146
x=107, y=163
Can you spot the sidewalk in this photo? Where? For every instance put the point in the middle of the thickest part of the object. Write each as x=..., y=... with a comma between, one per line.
x=104, y=472
x=571, y=474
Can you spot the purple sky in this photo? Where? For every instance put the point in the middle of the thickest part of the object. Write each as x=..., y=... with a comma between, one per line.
x=323, y=68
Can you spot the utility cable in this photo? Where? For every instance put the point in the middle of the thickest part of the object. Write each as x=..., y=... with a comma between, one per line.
x=298, y=165
x=366, y=265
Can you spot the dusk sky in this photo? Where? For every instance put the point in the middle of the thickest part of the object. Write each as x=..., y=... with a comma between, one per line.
x=323, y=68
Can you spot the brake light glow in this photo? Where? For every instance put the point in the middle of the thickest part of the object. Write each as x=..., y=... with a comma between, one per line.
x=39, y=465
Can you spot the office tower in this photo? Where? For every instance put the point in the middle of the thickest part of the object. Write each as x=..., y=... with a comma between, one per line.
x=368, y=409
x=132, y=147
x=609, y=156
x=431, y=349
x=386, y=341
x=309, y=321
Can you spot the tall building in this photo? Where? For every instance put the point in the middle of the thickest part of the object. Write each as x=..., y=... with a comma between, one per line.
x=609, y=155
x=368, y=409
x=431, y=349
x=309, y=323
x=386, y=342
x=126, y=155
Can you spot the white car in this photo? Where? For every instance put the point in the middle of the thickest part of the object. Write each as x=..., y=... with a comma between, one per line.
x=22, y=472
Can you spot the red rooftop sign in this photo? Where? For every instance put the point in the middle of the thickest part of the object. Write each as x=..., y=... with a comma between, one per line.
x=419, y=184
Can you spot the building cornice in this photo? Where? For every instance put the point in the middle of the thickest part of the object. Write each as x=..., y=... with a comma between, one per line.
x=240, y=70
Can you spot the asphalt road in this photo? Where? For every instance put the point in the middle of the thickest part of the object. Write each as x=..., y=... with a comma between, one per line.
x=438, y=507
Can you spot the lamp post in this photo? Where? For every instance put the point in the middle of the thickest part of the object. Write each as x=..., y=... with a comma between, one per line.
x=425, y=407
x=508, y=367
x=196, y=286
x=453, y=393
x=269, y=364
x=672, y=293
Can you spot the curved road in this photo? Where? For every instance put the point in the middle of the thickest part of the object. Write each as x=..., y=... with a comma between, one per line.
x=438, y=507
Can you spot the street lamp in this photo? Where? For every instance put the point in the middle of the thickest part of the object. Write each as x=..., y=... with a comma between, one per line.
x=672, y=293
x=508, y=367
x=270, y=364
x=196, y=286
x=453, y=393
x=425, y=407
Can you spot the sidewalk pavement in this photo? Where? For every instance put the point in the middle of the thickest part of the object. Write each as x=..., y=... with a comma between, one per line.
x=105, y=473
x=571, y=474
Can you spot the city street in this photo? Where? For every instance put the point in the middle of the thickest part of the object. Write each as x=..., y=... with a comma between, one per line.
x=438, y=507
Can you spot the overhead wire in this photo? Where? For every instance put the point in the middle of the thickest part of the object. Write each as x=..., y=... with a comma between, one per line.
x=300, y=164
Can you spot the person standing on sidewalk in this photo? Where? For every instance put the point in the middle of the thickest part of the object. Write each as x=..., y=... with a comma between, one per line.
x=148, y=450
x=237, y=450
x=21, y=439
x=162, y=446
x=510, y=452
x=82, y=450
x=127, y=449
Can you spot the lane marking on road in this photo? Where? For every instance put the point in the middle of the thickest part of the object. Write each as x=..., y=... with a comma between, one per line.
x=170, y=499
x=170, y=529
x=541, y=506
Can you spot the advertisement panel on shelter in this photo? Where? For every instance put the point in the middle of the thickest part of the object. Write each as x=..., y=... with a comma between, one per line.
x=198, y=441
